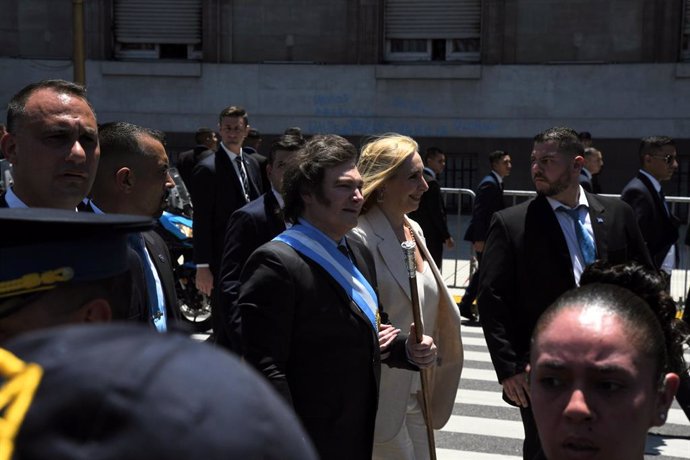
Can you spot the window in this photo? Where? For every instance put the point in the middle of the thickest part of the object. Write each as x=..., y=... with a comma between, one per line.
x=432, y=30
x=157, y=29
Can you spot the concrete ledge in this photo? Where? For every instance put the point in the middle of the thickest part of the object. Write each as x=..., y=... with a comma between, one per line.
x=429, y=72
x=683, y=70
x=152, y=69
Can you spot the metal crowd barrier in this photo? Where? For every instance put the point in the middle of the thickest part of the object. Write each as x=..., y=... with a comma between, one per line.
x=459, y=263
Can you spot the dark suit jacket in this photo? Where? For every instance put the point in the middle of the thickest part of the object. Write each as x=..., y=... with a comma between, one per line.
x=249, y=227
x=3, y=201
x=526, y=266
x=218, y=194
x=160, y=256
x=659, y=230
x=488, y=200
x=158, y=251
x=431, y=216
x=300, y=329
x=263, y=162
x=188, y=160
x=586, y=182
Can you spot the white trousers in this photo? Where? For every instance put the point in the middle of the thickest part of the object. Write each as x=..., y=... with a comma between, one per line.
x=411, y=442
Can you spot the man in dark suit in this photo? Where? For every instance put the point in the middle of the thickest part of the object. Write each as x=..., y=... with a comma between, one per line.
x=206, y=145
x=488, y=200
x=249, y=227
x=658, y=162
x=222, y=183
x=251, y=147
x=431, y=214
x=590, y=170
x=56, y=173
x=133, y=178
x=537, y=250
x=311, y=331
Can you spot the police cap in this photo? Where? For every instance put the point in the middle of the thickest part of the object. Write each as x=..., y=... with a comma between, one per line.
x=41, y=249
x=120, y=391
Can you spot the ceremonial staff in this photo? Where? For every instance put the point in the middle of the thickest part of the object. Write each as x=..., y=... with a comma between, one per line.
x=408, y=248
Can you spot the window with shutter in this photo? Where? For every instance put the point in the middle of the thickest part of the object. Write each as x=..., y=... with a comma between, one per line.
x=432, y=30
x=157, y=29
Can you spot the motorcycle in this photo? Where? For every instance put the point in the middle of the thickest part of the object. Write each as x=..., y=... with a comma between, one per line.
x=176, y=229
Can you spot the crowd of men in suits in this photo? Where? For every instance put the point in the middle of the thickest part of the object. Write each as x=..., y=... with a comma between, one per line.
x=273, y=253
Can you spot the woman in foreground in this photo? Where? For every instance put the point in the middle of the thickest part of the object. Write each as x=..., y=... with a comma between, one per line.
x=605, y=360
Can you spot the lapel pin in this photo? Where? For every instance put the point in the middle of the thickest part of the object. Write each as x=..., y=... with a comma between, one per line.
x=600, y=220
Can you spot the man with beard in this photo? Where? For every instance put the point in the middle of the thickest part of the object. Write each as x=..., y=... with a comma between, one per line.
x=537, y=250
x=133, y=178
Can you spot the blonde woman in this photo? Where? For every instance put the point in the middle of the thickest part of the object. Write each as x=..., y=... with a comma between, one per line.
x=391, y=168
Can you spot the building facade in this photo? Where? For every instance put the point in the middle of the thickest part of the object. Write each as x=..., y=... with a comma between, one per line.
x=469, y=76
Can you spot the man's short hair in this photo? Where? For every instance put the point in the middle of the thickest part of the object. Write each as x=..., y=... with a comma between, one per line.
x=287, y=143
x=294, y=131
x=652, y=144
x=567, y=139
x=584, y=136
x=432, y=152
x=118, y=138
x=17, y=105
x=496, y=156
x=253, y=134
x=234, y=111
x=307, y=170
x=589, y=151
x=202, y=135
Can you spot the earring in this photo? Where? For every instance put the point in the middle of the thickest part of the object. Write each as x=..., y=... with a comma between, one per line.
x=380, y=194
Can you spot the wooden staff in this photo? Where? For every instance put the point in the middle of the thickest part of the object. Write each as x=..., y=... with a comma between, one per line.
x=408, y=248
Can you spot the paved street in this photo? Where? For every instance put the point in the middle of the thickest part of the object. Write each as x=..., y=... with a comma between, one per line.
x=483, y=427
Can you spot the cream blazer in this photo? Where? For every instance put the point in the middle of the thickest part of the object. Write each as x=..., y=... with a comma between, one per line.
x=376, y=233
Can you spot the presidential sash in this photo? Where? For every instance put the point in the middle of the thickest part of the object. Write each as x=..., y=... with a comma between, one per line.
x=312, y=243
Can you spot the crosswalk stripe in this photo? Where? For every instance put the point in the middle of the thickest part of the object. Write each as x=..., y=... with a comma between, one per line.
x=477, y=341
x=655, y=445
x=484, y=398
x=484, y=375
x=494, y=399
x=472, y=331
x=669, y=447
x=485, y=427
x=450, y=454
x=480, y=356
x=677, y=417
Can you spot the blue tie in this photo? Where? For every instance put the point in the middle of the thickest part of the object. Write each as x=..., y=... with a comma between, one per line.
x=156, y=307
x=584, y=239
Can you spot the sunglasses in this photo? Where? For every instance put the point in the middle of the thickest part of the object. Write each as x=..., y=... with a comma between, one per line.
x=668, y=158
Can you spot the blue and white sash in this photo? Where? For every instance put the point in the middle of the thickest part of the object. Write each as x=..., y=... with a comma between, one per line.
x=309, y=241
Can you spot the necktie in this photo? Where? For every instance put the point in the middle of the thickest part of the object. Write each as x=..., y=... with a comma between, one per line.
x=343, y=249
x=243, y=177
x=663, y=200
x=584, y=239
x=156, y=307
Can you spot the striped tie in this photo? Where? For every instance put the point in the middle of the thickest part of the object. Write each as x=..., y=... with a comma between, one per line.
x=243, y=177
